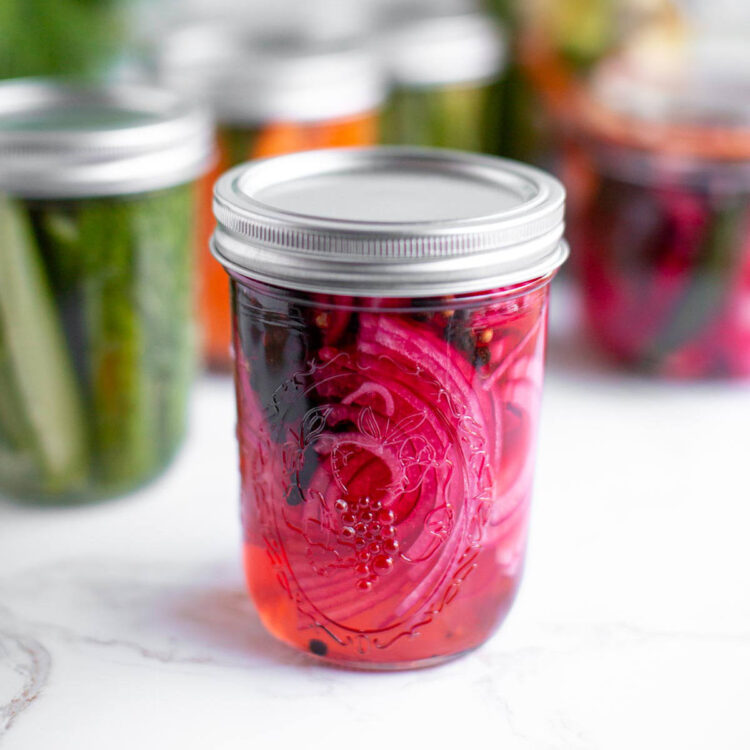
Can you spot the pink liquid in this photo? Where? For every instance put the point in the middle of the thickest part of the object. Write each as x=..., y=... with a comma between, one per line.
x=387, y=458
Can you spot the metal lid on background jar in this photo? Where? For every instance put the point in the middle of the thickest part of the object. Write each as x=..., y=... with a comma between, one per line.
x=686, y=97
x=399, y=222
x=428, y=50
x=251, y=76
x=65, y=140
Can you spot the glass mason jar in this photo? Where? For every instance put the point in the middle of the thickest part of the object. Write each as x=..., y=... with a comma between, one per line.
x=659, y=177
x=445, y=72
x=389, y=311
x=270, y=97
x=97, y=243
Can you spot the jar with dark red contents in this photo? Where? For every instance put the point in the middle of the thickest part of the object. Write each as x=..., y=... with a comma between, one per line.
x=659, y=176
x=389, y=311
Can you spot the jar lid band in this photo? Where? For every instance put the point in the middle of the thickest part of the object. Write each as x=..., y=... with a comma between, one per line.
x=397, y=221
x=68, y=140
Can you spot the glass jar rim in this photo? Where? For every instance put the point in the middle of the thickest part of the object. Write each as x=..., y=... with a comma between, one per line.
x=653, y=168
x=368, y=303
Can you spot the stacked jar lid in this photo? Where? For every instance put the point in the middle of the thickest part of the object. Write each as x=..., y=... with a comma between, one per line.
x=253, y=77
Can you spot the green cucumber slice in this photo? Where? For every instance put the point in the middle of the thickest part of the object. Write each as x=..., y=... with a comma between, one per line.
x=36, y=359
x=121, y=417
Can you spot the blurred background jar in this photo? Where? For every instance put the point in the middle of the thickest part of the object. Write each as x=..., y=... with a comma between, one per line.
x=62, y=37
x=97, y=246
x=658, y=168
x=273, y=91
x=445, y=66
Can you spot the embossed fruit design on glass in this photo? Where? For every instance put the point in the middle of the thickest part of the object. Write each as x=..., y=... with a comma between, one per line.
x=660, y=186
x=387, y=440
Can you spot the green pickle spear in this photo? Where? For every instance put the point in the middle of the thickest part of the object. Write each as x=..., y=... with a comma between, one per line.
x=139, y=366
x=121, y=417
x=162, y=232
x=41, y=411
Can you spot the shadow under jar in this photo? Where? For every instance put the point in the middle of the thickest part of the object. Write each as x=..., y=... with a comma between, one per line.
x=659, y=179
x=97, y=244
x=271, y=94
x=389, y=312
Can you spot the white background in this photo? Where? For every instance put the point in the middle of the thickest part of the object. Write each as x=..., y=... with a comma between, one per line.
x=126, y=624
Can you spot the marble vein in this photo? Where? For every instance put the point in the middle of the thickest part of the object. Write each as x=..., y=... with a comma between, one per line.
x=31, y=661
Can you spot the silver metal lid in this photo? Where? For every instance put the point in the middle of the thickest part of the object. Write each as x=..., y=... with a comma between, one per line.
x=400, y=222
x=251, y=77
x=703, y=81
x=444, y=49
x=64, y=140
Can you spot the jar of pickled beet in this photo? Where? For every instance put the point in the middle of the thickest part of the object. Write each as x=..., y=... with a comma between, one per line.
x=659, y=173
x=271, y=94
x=445, y=72
x=389, y=311
x=97, y=244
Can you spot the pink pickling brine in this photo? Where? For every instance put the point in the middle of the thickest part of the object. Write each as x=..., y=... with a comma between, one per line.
x=387, y=454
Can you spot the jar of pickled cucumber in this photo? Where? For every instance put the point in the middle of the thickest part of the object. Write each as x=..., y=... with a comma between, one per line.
x=271, y=94
x=97, y=245
x=444, y=71
x=658, y=167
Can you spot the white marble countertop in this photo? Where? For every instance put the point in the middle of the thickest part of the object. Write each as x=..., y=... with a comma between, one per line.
x=126, y=625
